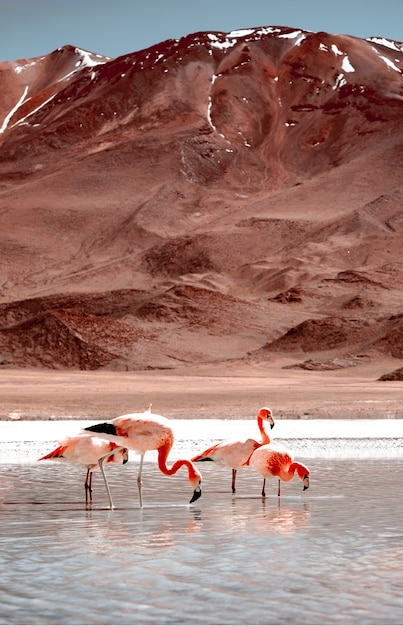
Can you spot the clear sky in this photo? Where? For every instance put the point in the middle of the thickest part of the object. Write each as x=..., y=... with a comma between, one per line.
x=30, y=28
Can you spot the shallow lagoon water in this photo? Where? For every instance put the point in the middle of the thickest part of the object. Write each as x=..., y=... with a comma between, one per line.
x=330, y=555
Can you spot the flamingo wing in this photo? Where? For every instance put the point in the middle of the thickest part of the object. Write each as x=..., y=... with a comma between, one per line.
x=230, y=453
x=57, y=453
x=137, y=431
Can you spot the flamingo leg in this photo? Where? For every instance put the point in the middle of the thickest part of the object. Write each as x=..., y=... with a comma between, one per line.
x=108, y=491
x=88, y=487
x=233, y=480
x=264, y=488
x=278, y=492
x=139, y=481
x=101, y=467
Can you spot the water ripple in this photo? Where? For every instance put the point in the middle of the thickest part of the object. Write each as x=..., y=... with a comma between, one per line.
x=329, y=555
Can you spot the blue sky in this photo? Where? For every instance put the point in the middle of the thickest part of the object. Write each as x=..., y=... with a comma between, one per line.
x=30, y=28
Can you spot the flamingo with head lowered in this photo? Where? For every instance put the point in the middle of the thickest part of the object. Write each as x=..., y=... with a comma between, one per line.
x=142, y=432
x=84, y=452
x=275, y=461
x=234, y=453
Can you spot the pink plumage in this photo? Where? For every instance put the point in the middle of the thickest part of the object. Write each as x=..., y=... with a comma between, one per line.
x=233, y=453
x=275, y=461
x=147, y=431
x=84, y=452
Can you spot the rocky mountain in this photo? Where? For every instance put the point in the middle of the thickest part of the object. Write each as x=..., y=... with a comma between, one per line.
x=220, y=198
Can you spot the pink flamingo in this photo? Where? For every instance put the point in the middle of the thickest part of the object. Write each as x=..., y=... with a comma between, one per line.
x=147, y=431
x=271, y=460
x=85, y=452
x=233, y=453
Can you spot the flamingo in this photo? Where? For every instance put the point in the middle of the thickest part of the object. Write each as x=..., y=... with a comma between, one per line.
x=271, y=460
x=84, y=452
x=147, y=431
x=233, y=453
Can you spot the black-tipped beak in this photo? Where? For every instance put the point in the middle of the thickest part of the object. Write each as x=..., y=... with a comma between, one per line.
x=125, y=461
x=271, y=425
x=306, y=482
x=196, y=495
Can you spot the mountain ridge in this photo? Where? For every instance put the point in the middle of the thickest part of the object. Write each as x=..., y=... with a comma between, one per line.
x=217, y=174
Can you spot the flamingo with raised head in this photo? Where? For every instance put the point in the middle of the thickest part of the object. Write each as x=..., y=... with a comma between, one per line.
x=84, y=452
x=235, y=453
x=275, y=461
x=147, y=431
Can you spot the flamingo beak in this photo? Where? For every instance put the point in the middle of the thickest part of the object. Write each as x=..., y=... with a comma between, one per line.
x=306, y=482
x=270, y=419
x=196, y=494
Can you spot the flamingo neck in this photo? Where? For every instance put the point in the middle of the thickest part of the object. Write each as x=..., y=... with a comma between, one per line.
x=170, y=471
x=301, y=470
x=111, y=448
x=264, y=435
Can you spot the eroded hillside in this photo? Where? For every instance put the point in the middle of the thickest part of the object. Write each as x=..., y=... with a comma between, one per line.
x=216, y=198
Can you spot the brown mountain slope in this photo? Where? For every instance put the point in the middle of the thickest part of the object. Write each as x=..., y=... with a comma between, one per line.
x=202, y=201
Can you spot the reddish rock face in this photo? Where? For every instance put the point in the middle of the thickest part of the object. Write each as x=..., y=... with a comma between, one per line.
x=201, y=201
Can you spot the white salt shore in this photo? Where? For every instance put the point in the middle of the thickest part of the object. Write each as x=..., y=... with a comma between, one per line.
x=25, y=441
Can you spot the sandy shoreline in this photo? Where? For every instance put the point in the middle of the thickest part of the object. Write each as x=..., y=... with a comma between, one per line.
x=236, y=394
